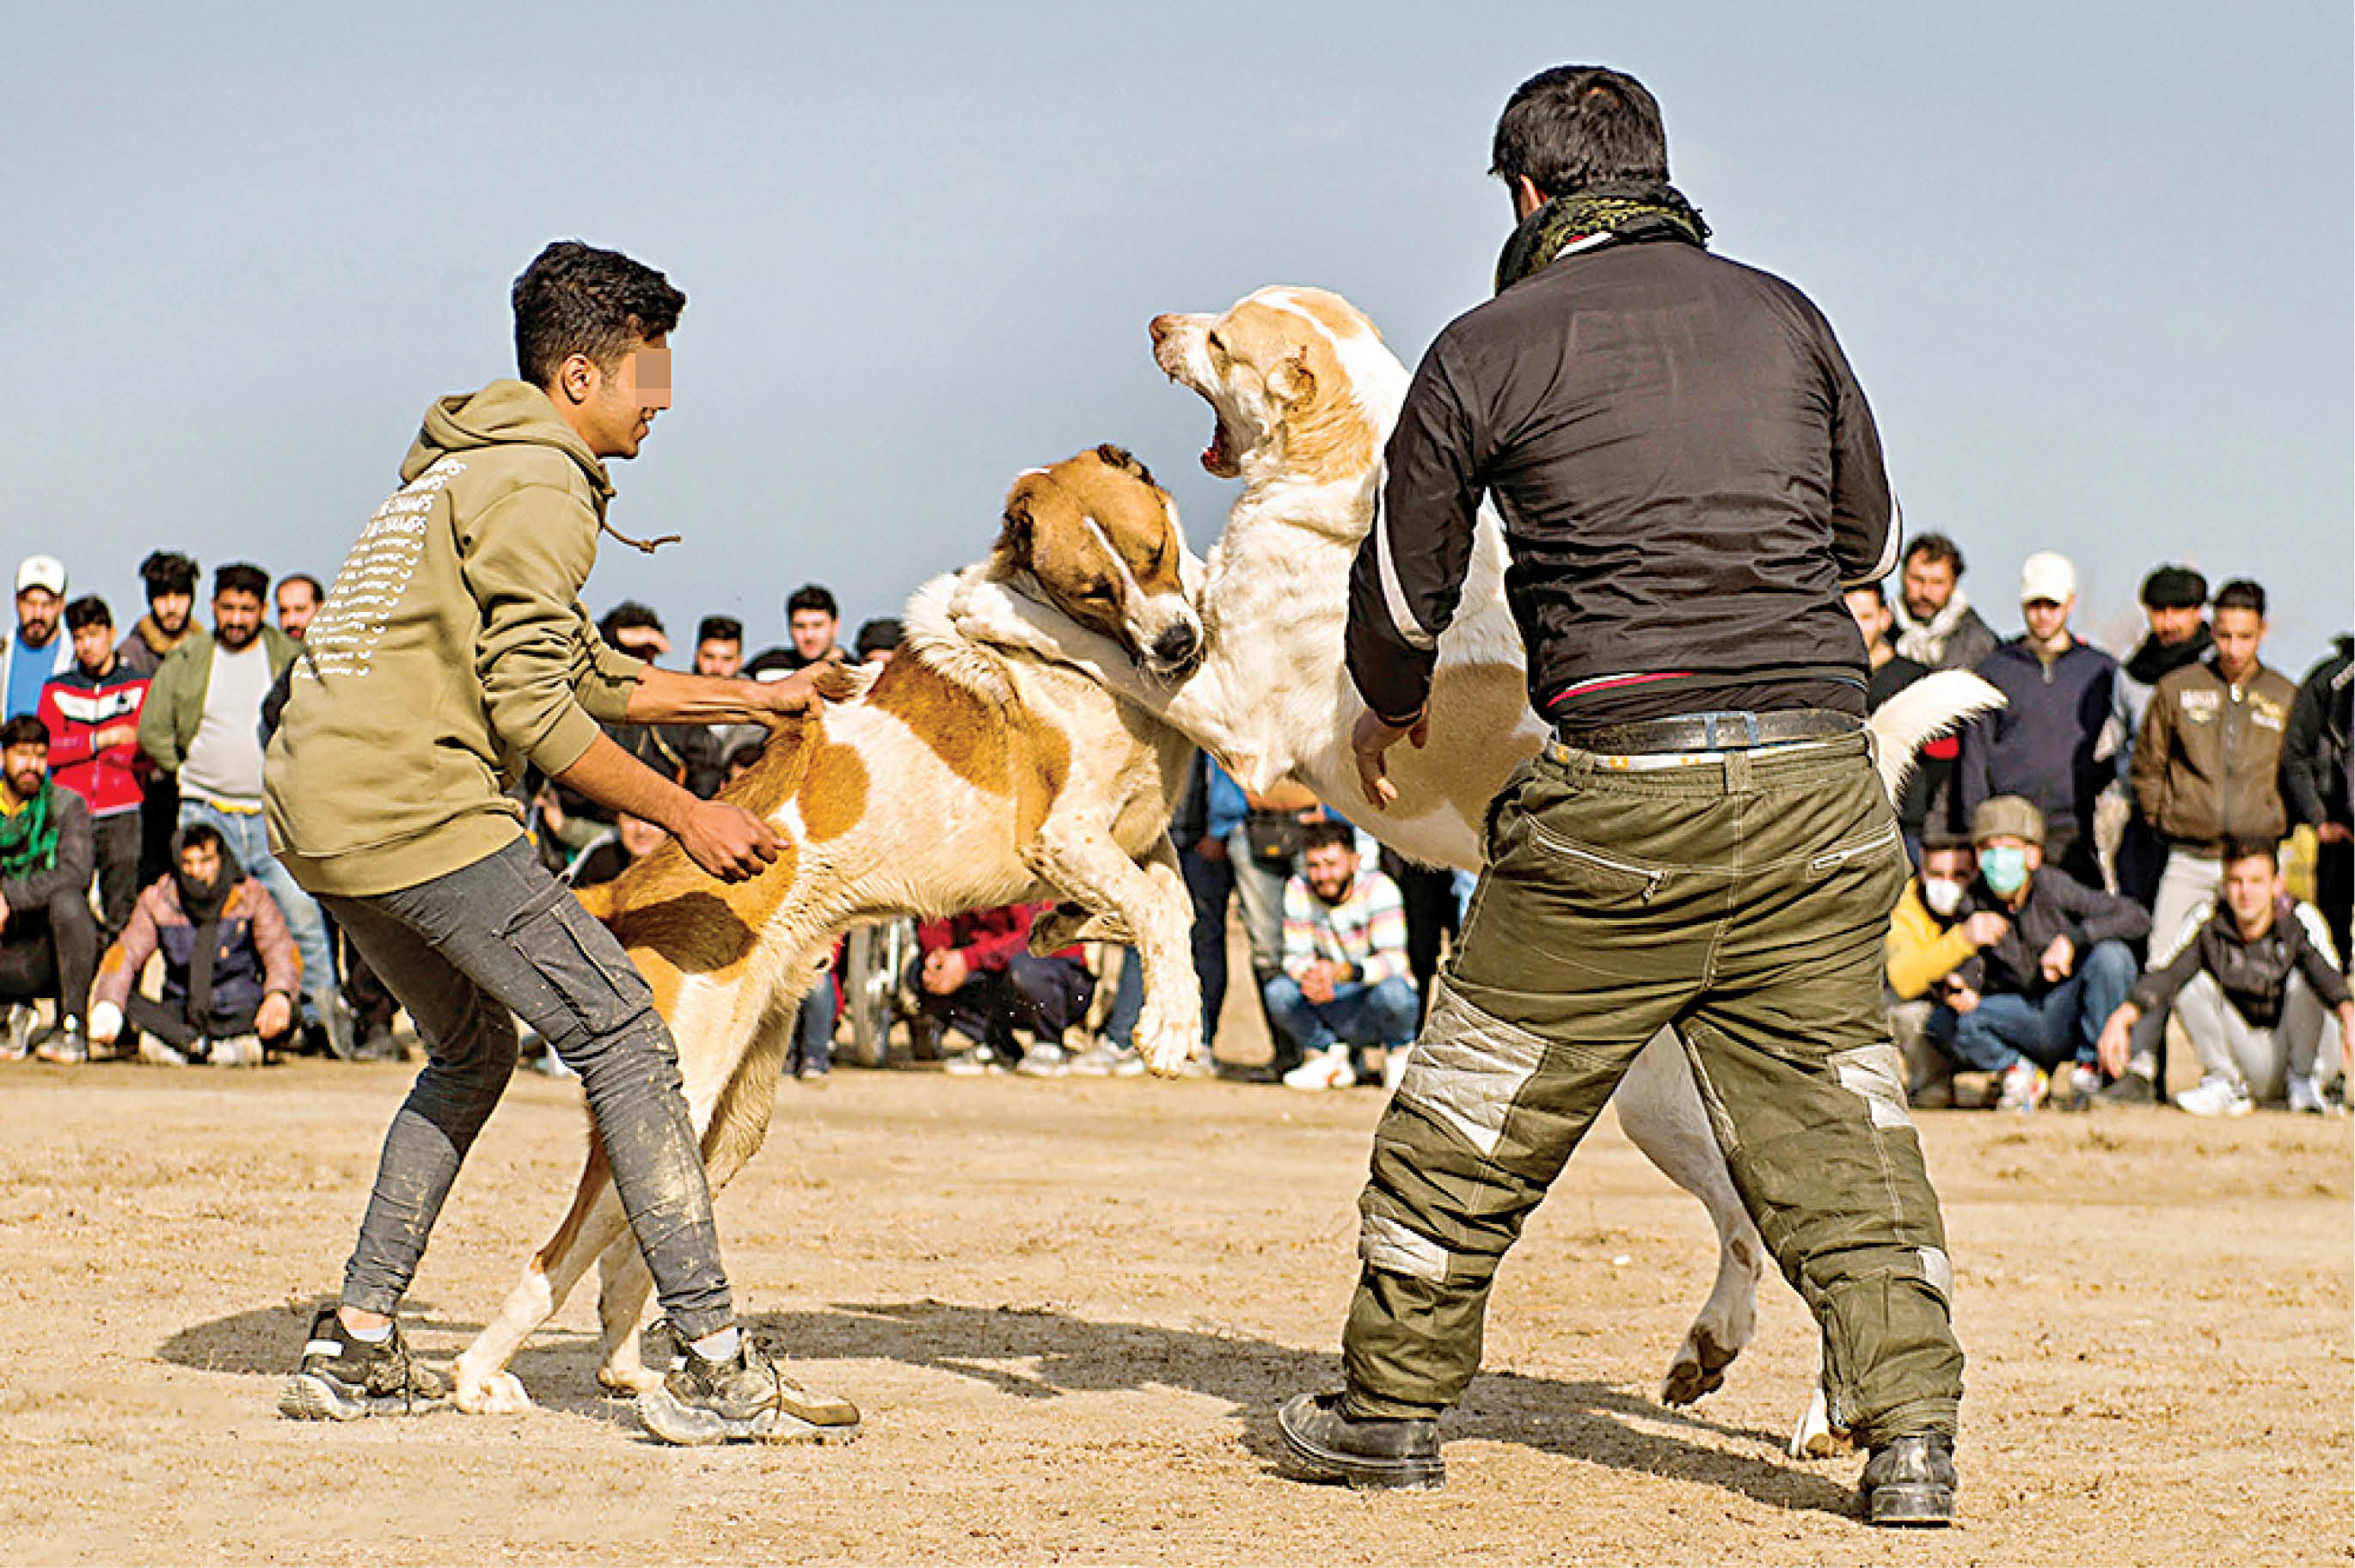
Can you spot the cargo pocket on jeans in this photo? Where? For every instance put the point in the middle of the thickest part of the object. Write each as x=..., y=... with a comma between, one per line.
x=579, y=959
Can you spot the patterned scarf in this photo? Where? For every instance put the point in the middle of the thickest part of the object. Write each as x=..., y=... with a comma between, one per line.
x=29, y=839
x=1631, y=210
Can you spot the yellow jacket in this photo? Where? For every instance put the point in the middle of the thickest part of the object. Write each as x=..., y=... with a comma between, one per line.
x=1921, y=951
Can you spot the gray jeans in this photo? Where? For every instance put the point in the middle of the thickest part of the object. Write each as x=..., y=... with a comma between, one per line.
x=467, y=954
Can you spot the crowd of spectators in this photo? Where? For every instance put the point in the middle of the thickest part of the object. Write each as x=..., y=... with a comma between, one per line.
x=2103, y=852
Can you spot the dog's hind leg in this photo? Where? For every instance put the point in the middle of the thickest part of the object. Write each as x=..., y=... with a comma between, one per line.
x=484, y=1385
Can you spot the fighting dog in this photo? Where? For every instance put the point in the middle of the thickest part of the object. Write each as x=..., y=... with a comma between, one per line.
x=1303, y=394
x=962, y=777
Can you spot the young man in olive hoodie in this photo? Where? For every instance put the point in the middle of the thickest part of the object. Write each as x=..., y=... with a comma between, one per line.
x=452, y=649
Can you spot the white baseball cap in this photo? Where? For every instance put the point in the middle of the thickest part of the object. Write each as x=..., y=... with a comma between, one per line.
x=2048, y=575
x=41, y=571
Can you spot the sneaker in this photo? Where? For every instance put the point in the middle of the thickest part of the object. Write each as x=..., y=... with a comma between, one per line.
x=2085, y=1083
x=17, y=1032
x=336, y=1015
x=1326, y=1069
x=2025, y=1085
x=973, y=1063
x=342, y=1378
x=2303, y=1096
x=2133, y=1087
x=1105, y=1060
x=380, y=1045
x=159, y=1054
x=1909, y=1482
x=814, y=1073
x=1394, y=1060
x=236, y=1050
x=746, y=1400
x=1043, y=1059
x=1198, y=1065
x=67, y=1046
x=1325, y=1443
x=2216, y=1095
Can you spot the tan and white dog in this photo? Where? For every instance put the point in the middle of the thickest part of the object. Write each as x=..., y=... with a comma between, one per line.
x=1304, y=394
x=962, y=777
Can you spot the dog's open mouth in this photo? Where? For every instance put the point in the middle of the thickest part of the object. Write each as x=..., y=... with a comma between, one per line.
x=1219, y=457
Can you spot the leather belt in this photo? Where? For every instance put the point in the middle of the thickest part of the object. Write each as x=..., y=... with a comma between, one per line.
x=1726, y=731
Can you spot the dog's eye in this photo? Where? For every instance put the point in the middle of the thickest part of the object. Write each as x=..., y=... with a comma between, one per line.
x=1217, y=347
x=1098, y=590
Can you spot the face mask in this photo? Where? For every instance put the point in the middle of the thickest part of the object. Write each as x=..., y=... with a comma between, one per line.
x=2004, y=869
x=1943, y=894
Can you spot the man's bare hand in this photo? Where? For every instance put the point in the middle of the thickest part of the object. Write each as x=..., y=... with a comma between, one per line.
x=1317, y=983
x=726, y=840
x=273, y=1016
x=1963, y=999
x=1372, y=742
x=2058, y=960
x=1986, y=928
x=944, y=973
x=2117, y=1038
x=2334, y=833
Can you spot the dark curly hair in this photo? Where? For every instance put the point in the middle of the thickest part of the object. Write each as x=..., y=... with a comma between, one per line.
x=576, y=299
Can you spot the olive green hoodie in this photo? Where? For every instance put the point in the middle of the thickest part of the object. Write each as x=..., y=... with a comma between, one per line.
x=452, y=648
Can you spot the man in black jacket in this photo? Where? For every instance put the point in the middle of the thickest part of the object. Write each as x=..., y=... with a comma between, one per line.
x=2314, y=781
x=2175, y=605
x=1688, y=476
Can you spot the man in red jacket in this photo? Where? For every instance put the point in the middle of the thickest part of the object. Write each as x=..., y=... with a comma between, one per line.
x=93, y=714
x=979, y=982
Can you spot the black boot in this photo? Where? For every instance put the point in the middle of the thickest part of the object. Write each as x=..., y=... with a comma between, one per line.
x=1910, y=1481
x=1330, y=1444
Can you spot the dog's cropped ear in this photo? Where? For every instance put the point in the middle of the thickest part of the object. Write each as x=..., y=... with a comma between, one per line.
x=1127, y=462
x=1291, y=381
x=1014, y=534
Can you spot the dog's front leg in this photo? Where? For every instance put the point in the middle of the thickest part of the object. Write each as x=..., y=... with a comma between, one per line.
x=1082, y=861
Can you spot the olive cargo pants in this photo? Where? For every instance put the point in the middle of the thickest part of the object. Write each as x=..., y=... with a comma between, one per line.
x=1743, y=899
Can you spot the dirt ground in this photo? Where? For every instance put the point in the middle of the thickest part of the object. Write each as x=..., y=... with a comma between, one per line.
x=1069, y=1308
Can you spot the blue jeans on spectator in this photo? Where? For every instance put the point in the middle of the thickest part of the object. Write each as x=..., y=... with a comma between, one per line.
x=812, y=1054
x=1127, y=1002
x=2059, y=1027
x=249, y=839
x=1359, y=1015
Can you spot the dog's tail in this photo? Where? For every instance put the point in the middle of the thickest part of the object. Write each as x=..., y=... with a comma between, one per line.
x=1934, y=706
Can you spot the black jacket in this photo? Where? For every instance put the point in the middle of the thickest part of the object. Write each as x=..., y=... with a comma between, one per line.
x=2057, y=905
x=2315, y=750
x=2254, y=976
x=1688, y=476
x=2042, y=742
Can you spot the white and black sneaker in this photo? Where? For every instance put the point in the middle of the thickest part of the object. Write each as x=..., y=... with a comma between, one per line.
x=744, y=1400
x=342, y=1377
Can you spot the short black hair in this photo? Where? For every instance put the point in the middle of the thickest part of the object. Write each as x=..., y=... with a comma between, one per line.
x=196, y=834
x=812, y=596
x=576, y=299
x=719, y=629
x=88, y=609
x=24, y=730
x=881, y=633
x=1879, y=595
x=1579, y=126
x=169, y=571
x=2174, y=587
x=2246, y=849
x=241, y=577
x=627, y=615
x=1935, y=548
x=1324, y=835
x=305, y=578
x=2242, y=595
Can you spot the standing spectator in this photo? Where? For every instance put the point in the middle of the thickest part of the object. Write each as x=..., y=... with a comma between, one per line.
x=812, y=622
x=720, y=654
x=879, y=640
x=299, y=598
x=2249, y=976
x=2037, y=995
x=631, y=840
x=2315, y=782
x=170, y=580
x=1929, y=939
x=1889, y=673
x=34, y=652
x=2046, y=742
x=2174, y=603
x=1935, y=624
x=2207, y=765
x=979, y=981
x=92, y=712
x=229, y=967
x=203, y=722
x=48, y=943
x=1346, y=985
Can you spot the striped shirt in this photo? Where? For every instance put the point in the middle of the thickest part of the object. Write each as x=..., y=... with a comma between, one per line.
x=1366, y=930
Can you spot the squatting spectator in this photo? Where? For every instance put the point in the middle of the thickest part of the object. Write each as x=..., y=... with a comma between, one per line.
x=34, y=652
x=203, y=722
x=229, y=967
x=1346, y=984
x=299, y=598
x=2046, y=743
x=879, y=640
x=1929, y=939
x=2175, y=607
x=170, y=580
x=1889, y=673
x=2249, y=976
x=979, y=984
x=48, y=940
x=2207, y=763
x=813, y=620
x=1936, y=626
x=2315, y=782
x=92, y=712
x=2036, y=997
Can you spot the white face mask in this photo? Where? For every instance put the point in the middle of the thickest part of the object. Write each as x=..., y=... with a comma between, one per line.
x=1943, y=896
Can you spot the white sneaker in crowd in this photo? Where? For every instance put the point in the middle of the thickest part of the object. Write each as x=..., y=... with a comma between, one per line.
x=157, y=1053
x=1043, y=1059
x=2304, y=1095
x=2216, y=1095
x=1394, y=1060
x=1327, y=1069
x=1105, y=1060
x=2025, y=1085
x=17, y=1032
x=237, y=1050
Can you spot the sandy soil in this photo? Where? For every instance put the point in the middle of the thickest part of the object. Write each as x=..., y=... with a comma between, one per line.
x=1069, y=1308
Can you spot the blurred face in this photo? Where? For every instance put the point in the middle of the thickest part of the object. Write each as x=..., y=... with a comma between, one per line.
x=720, y=658
x=94, y=647
x=2047, y=619
x=813, y=632
x=200, y=863
x=2252, y=884
x=37, y=615
x=1872, y=615
x=170, y=611
x=613, y=409
x=639, y=838
x=2176, y=624
x=22, y=769
x=1330, y=868
x=1949, y=865
x=2238, y=633
x=296, y=605
x=1927, y=585
x=237, y=619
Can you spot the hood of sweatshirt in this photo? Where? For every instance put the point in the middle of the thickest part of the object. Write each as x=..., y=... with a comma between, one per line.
x=505, y=413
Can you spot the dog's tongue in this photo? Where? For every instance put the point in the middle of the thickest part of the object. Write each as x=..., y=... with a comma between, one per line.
x=1215, y=456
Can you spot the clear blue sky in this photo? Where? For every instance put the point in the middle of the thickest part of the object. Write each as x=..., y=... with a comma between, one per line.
x=2092, y=263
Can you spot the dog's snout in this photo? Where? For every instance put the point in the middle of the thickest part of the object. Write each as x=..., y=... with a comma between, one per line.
x=1176, y=645
x=1161, y=327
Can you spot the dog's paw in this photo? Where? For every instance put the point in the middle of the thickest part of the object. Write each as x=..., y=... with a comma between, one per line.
x=1166, y=1043
x=495, y=1394
x=1698, y=1369
x=632, y=1378
x=1816, y=1437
